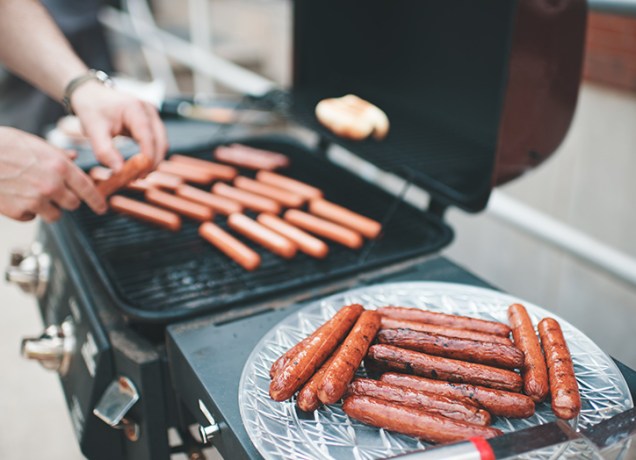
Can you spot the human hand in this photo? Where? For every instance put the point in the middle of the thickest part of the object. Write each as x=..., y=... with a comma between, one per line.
x=37, y=178
x=105, y=113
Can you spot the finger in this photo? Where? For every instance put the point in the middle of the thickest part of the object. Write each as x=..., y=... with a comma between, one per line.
x=159, y=133
x=137, y=123
x=71, y=154
x=66, y=199
x=80, y=184
x=49, y=212
x=101, y=139
x=25, y=217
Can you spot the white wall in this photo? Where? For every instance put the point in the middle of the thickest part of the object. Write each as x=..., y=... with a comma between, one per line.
x=588, y=184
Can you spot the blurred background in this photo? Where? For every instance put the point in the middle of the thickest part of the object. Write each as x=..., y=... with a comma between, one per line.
x=588, y=186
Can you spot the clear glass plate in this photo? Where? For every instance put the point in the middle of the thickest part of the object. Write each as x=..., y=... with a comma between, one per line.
x=280, y=431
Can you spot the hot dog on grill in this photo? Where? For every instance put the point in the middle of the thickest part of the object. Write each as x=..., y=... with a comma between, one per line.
x=250, y=158
x=564, y=391
x=343, y=216
x=458, y=408
x=164, y=180
x=217, y=203
x=270, y=240
x=497, y=402
x=179, y=205
x=340, y=372
x=146, y=212
x=413, y=422
x=492, y=354
x=535, y=373
x=444, y=319
x=300, y=188
x=304, y=241
x=132, y=169
x=249, y=200
x=320, y=346
x=230, y=246
x=390, y=323
x=218, y=171
x=446, y=369
x=187, y=172
x=324, y=228
x=282, y=196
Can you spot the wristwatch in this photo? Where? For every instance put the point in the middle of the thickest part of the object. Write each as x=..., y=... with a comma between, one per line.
x=97, y=75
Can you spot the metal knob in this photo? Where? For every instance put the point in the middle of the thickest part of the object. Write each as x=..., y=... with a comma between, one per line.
x=114, y=405
x=208, y=431
x=29, y=269
x=54, y=348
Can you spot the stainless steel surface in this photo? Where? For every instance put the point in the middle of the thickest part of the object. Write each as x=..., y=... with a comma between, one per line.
x=54, y=348
x=279, y=431
x=29, y=269
x=120, y=396
x=208, y=431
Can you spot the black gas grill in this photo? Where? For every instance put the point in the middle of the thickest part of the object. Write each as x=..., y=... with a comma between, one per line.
x=475, y=94
x=154, y=275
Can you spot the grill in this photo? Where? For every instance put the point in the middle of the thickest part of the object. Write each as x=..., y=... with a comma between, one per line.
x=160, y=324
x=154, y=275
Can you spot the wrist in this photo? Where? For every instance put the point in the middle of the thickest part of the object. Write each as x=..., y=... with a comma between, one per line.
x=88, y=79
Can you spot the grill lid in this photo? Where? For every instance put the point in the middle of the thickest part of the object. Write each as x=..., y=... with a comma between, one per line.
x=441, y=70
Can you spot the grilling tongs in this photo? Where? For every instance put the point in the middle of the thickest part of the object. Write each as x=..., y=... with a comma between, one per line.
x=604, y=440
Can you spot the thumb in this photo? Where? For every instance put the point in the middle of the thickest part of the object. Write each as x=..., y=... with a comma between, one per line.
x=102, y=143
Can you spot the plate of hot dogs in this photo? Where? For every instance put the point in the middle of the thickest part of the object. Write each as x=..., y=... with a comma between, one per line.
x=382, y=370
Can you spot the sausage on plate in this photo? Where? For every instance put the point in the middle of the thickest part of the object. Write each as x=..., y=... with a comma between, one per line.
x=340, y=372
x=413, y=422
x=564, y=391
x=320, y=346
x=444, y=319
x=458, y=408
x=534, y=371
x=497, y=402
x=489, y=353
x=447, y=369
x=391, y=323
x=307, y=399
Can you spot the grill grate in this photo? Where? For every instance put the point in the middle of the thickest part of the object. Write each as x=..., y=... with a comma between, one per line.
x=156, y=275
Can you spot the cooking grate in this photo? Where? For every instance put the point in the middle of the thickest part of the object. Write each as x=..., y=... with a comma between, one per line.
x=156, y=275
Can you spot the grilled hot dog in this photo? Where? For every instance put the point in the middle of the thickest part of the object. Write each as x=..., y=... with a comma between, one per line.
x=445, y=368
x=133, y=168
x=459, y=408
x=340, y=372
x=216, y=170
x=247, y=199
x=230, y=246
x=492, y=354
x=179, y=205
x=343, y=216
x=262, y=235
x=282, y=196
x=146, y=212
x=304, y=241
x=444, y=319
x=324, y=228
x=390, y=323
x=317, y=350
x=287, y=183
x=219, y=204
x=535, y=373
x=566, y=400
x=497, y=402
x=413, y=422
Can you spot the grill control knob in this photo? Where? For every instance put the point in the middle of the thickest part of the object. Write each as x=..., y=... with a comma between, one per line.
x=54, y=348
x=114, y=405
x=29, y=269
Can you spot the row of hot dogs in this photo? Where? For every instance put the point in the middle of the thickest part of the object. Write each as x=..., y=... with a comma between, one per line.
x=441, y=377
x=169, y=195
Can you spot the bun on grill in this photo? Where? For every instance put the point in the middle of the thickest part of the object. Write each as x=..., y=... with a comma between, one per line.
x=352, y=118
